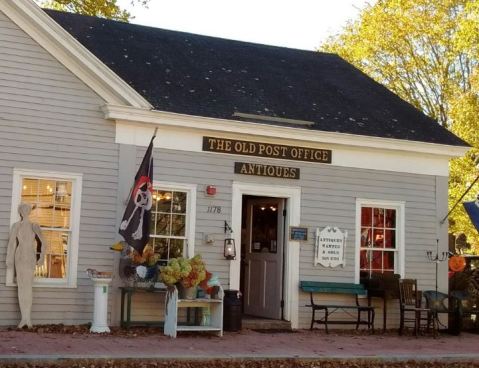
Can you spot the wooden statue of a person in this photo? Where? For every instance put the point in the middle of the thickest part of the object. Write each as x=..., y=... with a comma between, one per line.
x=25, y=237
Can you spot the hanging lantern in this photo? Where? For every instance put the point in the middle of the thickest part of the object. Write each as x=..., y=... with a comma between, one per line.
x=229, y=251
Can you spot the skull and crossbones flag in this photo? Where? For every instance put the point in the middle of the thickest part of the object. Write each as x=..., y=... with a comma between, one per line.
x=135, y=226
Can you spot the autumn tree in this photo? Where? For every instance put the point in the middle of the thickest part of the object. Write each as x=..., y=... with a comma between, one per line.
x=426, y=51
x=98, y=8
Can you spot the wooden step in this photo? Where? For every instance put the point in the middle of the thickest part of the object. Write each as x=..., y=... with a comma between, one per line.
x=254, y=323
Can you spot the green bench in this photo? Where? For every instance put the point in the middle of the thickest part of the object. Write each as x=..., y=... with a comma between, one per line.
x=314, y=287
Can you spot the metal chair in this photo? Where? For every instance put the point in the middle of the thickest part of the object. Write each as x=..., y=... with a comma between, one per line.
x=410, y=305
x=437, y=302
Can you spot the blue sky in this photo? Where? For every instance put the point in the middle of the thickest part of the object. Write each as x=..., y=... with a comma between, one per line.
x=302, y=24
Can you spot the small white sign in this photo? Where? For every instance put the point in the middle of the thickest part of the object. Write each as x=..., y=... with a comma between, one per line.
x=329, y=247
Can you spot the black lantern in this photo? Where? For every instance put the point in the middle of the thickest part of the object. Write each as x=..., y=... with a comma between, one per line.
x=230, y=248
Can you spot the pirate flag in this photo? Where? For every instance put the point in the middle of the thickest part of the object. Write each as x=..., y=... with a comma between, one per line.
x=135, y=226
x=472, y=209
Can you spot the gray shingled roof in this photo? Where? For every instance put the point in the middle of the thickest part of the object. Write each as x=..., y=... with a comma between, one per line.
x=213, y=77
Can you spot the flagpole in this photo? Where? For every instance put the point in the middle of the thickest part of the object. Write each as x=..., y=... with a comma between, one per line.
x=460, y=199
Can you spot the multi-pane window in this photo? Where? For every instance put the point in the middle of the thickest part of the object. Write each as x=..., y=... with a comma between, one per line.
x=51, y=200
x=56, y=201
x=169, y=221
x=379, y=240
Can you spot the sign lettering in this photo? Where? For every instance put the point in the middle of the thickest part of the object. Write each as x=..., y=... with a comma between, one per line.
x=271, y=150
x=246, y=168
x=329, y=247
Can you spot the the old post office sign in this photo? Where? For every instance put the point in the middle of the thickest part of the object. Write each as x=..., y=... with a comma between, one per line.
x=329, y=247
x=271, y=150
x=249, y=168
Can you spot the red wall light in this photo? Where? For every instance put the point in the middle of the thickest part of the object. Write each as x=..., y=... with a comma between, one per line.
x=211, y=190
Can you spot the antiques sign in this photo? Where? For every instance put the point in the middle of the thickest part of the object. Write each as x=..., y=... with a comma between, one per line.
x=271, y=150
x=266, y=170
x=329, y=247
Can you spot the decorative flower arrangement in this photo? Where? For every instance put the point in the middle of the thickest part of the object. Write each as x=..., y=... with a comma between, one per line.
x=135, y=268
x=187, y=272
x=148, y=258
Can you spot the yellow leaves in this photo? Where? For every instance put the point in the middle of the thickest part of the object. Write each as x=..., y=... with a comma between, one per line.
x=408, y=45
x=99, y=8
x=425, y=51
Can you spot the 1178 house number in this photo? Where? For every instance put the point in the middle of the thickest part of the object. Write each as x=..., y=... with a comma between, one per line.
x=214, y=209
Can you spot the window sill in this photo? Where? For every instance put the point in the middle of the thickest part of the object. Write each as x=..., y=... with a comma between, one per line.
x=46, y=284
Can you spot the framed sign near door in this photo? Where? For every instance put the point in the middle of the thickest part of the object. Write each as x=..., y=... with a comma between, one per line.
x=298, y=233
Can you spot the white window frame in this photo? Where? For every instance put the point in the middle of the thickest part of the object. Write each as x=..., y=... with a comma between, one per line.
x=71, y=278
x=190, y=190
x=399, y=206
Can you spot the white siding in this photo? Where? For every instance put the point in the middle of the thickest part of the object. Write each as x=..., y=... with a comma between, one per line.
x=49, y=120
x=328, y=198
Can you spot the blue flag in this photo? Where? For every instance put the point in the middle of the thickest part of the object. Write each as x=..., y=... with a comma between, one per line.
x=472, y=209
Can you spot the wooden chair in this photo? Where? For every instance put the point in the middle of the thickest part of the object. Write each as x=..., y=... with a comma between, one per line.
x=410, y=305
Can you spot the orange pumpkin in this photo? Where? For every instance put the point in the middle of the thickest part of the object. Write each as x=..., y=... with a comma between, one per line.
x=457, y=263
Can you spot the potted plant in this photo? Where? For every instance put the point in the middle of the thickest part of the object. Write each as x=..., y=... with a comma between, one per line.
x=186, y=274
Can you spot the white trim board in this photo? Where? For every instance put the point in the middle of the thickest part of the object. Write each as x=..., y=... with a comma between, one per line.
x=71, y=53
x=293, y=213
x=160, y=118
x=176, y=138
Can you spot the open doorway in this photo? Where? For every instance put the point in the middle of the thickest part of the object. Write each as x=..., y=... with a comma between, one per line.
x=262, y=256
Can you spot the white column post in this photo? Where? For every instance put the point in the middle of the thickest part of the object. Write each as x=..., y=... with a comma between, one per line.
x=100, y=309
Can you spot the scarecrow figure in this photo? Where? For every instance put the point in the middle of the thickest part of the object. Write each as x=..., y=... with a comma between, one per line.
x=25, y=240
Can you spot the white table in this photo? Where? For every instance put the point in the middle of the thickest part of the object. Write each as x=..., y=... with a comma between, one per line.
x=173, y=306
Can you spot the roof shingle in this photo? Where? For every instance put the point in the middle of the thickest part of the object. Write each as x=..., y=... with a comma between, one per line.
x=213, y=77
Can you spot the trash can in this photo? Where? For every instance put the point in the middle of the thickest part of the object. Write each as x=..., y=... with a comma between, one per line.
x=232, y=310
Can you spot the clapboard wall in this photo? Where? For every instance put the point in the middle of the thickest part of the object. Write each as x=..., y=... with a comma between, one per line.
x=50, y=120
x=328, y=197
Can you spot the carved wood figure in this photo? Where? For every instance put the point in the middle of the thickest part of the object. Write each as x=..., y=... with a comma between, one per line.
x=25, y=239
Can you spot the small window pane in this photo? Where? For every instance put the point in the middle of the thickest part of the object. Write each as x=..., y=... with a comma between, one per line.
x=163, y=224
x=178, y=225
x=366, y=237
x=55, y=255
x=45, y=216
x=164, y=201
x=378, y=218
x=30, y=190
x=388, y=261
x=391, y=219
x=377, y=260
x=153, y=219
x=390, y=239
x=63, y=193
x=364, y=259
x=176, y=248
x=46, y=193
x=62, y=217
x=161, y=247
x=179, y=202
x=378, y=237
x=366, y=216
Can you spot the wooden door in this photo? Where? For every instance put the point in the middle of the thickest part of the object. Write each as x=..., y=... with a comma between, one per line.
x=263, y=257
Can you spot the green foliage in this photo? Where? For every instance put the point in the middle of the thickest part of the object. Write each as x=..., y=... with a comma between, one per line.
x=98, y=8
x=427, y=52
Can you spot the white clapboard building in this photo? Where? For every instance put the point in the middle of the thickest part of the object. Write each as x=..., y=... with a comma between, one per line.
x=278, y=143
